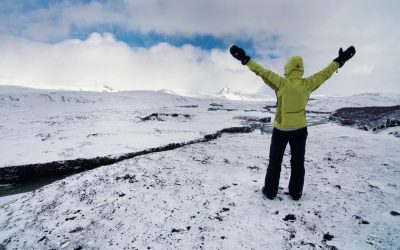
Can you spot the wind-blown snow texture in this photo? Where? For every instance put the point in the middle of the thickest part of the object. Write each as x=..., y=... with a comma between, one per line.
x=201, y=196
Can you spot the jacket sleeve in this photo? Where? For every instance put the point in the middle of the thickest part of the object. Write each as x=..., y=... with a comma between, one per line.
x=272, y=79
x=313, y=82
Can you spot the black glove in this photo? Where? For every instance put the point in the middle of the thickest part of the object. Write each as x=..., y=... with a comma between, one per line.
x=239, y=54
x=344, y=56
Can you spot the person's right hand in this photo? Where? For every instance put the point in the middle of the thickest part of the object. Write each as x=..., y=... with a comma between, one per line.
x=344, y=56
x=239, y=54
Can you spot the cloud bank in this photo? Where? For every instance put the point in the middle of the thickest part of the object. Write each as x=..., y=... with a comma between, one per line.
x=102, y=60
x=81, y=44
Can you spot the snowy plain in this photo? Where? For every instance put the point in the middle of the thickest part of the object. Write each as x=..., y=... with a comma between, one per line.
x=201, y=196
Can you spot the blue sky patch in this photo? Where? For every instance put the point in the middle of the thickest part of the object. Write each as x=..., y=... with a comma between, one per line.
x=136, y=39
x=10, y=8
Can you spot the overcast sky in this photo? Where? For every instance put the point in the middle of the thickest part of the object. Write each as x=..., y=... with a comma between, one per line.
x=184, y=45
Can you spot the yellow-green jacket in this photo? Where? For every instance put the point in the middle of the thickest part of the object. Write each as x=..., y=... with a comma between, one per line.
x=292, y=91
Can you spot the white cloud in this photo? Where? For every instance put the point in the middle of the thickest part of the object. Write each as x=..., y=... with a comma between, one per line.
x=101, y=60
x=312, y=28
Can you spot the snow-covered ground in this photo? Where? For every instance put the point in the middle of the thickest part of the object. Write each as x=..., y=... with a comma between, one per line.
x=41, y=126
x=201, y=196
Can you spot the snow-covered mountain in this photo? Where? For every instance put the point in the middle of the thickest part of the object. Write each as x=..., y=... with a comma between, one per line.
x=231, y=95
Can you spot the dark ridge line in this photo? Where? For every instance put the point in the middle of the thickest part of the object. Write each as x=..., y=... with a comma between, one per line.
x=61, y=169
x=317, y=112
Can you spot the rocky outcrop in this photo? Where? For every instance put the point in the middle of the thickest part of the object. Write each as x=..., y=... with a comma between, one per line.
x=162, y=116
x=368, y=118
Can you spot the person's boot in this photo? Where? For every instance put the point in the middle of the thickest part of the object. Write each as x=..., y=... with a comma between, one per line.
x=296, y=197
x=265, y=193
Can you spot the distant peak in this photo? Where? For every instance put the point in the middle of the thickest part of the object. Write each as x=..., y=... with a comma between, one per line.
x=223, y=91
x=108, y=88
x=167, y=91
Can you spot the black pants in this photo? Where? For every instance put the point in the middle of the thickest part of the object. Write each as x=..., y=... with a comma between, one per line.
x=297, y=141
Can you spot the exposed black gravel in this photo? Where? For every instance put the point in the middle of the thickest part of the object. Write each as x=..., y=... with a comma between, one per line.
x=61, y=169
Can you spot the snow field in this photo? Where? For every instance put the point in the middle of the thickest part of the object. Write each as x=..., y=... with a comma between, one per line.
x=201, y=196
x=207, y=196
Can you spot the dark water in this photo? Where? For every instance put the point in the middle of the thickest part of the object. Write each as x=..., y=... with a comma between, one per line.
x=312, y=120
x=18, y=188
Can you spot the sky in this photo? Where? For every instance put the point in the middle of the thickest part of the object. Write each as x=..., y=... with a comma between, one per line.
x=184, y=45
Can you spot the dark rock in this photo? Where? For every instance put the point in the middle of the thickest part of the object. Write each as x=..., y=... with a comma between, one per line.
x=372, y=186
x=211, y=136
x=368, y=117
x=290, y=217
x=307, y=243
x=157, y=116
x=317, y=112
x=328, y=237
x=253, y=168
x=236, y=130
x=43, y=238
x=225, y=209
x=218, y=218
x=269, y=106
x=188, y=106
x=130, y=178
x=175, y=230
x=216, y=109
x=78, y=229
x=224, y=187
x=253, y=119
x=216, y=105
x=127, y=176
x=347, y=122
x=394, y=213
x=364, y=222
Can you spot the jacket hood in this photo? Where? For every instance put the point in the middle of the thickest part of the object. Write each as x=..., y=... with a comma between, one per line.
x=294, y=68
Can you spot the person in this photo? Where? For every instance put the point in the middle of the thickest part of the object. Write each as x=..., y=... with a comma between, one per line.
x=290, y=125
